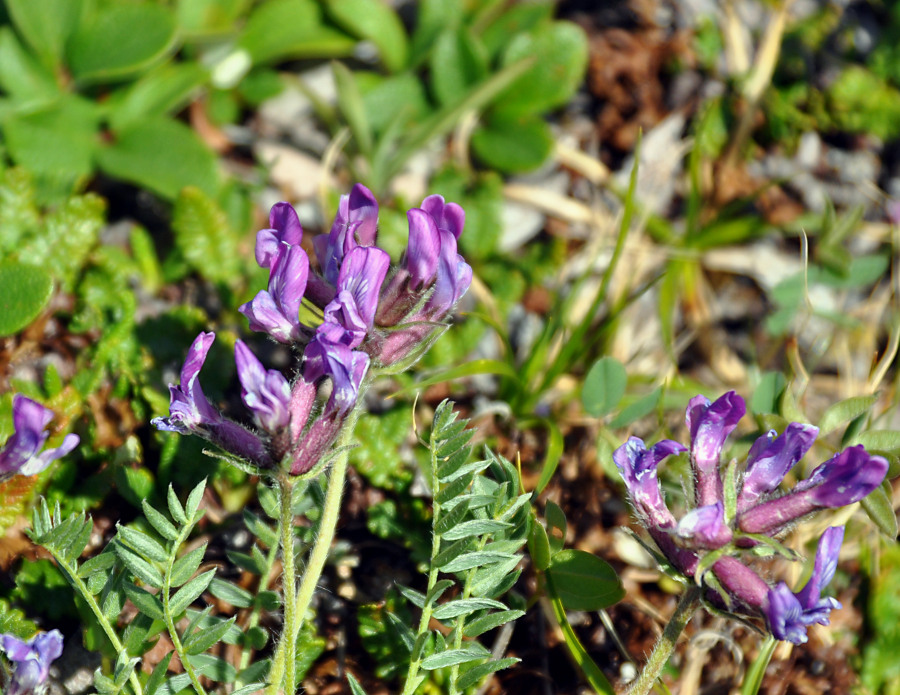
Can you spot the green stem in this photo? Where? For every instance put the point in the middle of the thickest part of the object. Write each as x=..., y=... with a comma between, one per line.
x=88, y=597
x=288, y=581
x=461, y=622
x=298, y=605
x=330, y=512
x=167, y=609
x=688, y=603
x=283, y=666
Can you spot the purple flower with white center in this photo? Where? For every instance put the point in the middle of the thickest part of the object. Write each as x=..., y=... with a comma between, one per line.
x=31, y=661
x=709, y=425
x=705, y=527
x=638, y=467
x=266, y=393
x=845, y=478
x=771, y=458
x=355, y=224
x=190, y=412
x=359, y=287
x=789, y=614
x=22, y=453
x=344, y=366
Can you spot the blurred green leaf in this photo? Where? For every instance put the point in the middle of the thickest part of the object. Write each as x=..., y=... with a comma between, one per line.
x=768, y=391
x=24, y=292
x=604, y=386
x=514, y=144
x=352, y=108
x=160, y=154
x=120, y=40
x=880, y=509
x=203, y=236
x=560, y=57
x=282, y=29
x=134, y=484
x=46, y=25
x=757, y=669
x=204, y=18
x=386, y=98
x=432, y=18
x=58, y=140
x=160, y=92
x=457, y=61
x=844, y=411
x=642, y=407
x=40, y=584
x=880, y=669
x=21, y=76
x=862, y=102
x=376, y=21
x=584, y=582
x=512, y=21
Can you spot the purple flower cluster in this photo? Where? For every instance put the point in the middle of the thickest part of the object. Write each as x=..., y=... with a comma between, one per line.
x=370, y=317
x=740, y=512
x=31, y=661
x=22, y=453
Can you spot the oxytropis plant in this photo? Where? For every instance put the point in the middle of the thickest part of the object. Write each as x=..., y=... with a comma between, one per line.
x=368, y=320
x=362, y=318
x=738, y=512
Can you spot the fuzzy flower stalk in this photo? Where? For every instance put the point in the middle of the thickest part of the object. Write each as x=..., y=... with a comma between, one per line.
x=738, y=508
x=369, y=317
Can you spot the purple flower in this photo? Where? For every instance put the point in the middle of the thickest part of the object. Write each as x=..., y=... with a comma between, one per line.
x=191, y=413
x=423, y=250
x=430, y=281
x=285, y=232
x=789, y=614
x=448, y=217
x=189, y=409
x=770, y=459
x=705, y=527
x=735, y=520
x=709, y=425
x=741, y=583
x=31, y=660
x=344, y=366
x=359, y=287
x=355, y=225
x=845, y=478
x=266, y=393
x=22, y=452
x=637, y=464
x=276, y=311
